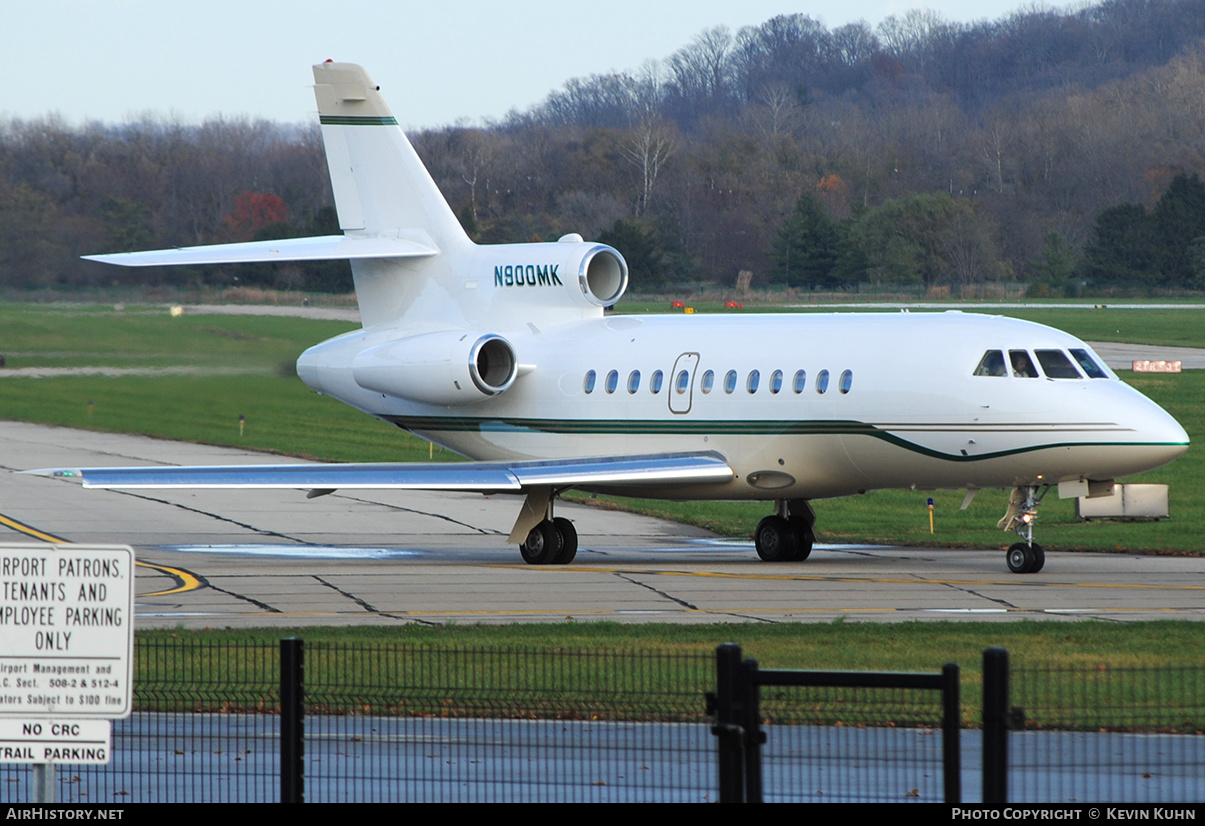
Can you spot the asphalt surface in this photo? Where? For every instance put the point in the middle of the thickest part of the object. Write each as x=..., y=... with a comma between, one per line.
x=273, y=558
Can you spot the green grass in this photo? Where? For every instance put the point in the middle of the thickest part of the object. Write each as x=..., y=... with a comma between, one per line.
x=608, y=670
x=34, y=335
x=908, y=646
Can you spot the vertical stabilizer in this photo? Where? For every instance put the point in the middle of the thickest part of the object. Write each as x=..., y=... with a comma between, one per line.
x=380, y=184
x=381, y=187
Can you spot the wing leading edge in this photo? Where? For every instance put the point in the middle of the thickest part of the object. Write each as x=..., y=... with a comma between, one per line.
x=321, y=248
x=482, y=477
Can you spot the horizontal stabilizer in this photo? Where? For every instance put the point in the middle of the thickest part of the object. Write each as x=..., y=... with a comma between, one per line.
x=483, y=477
x=319, y=248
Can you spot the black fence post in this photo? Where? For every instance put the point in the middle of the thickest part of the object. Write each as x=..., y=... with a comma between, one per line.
x=754, y=737
x=728, y=716
x=951, y=732
x=995, y=726
x=292, y=721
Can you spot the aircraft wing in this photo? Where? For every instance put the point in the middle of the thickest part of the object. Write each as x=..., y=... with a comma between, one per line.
x=483, y=477
x=320, y=248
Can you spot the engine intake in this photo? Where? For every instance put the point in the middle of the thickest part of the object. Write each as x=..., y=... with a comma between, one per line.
x=602, y=275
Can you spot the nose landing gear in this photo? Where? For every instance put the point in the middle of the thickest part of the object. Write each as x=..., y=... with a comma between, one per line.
x=1024, y=557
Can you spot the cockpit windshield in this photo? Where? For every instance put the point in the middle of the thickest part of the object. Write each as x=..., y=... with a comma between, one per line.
x=1055, y=364
x=1089, y=364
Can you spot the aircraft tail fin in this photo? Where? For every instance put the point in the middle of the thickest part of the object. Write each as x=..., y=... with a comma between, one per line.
x=381, y=186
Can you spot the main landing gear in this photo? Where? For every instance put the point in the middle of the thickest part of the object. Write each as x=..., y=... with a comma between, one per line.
x=788, y=535
x=543, y=539
x=1024, y=557
x=552, y=542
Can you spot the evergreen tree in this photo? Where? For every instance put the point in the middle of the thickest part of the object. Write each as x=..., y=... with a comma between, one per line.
x=805, y=248
x=1122, y=249
x=1179, y=218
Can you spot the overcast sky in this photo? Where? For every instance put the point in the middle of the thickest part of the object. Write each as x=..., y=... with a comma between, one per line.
x=437, y=62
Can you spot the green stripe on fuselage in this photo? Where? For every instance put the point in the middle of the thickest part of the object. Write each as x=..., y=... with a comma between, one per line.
x=650, y=427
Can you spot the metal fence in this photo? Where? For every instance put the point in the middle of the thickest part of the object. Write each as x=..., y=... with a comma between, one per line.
x=417, y=723
x=405, y=723
x=836, y=737
x=430, y=723
x=1124, y=735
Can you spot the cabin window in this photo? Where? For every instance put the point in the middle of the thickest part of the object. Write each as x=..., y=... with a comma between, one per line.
x=822, y=381
x=992, y=364
x=588, y=384
x=776, y=381
x=707, y=381
x=682, y=382
x=1022, y=364
x=1089, y=364
x=729, y=381
x=655, y=381
x=1056, y=365
x=753, y=380
x=612, y=381
x=801, y=378
x=846, y=382
x=633, y=381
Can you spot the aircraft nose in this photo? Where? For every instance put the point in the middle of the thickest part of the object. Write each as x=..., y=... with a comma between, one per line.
x=1167, y=439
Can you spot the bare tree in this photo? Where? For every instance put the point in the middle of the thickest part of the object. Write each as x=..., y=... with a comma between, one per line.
x=648, y=146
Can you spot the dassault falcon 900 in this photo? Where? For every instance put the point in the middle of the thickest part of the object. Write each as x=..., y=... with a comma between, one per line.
x=506, y=355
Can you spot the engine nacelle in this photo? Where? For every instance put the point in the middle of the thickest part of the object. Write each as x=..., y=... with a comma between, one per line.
x=602, y=275
x=544, y=274
x=446, y=368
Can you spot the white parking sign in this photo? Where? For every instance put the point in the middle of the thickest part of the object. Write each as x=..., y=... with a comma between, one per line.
x=66, y=630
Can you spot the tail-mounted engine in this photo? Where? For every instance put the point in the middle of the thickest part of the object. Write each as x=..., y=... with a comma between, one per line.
x=447, y=368
x=530, y=276
x=602, y=275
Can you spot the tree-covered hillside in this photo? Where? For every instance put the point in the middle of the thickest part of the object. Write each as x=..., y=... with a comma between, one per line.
x=1053, y=147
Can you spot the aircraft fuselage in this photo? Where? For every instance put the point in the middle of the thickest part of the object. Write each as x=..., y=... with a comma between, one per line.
x=900, y=407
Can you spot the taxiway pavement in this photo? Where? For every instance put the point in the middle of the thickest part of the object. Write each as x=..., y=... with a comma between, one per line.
x=273, y=558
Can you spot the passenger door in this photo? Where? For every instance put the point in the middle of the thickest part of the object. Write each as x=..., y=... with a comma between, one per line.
x=682, y=383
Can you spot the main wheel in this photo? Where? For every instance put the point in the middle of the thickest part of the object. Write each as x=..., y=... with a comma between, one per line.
x=1021, y=558
x=568, y=540
x=542, y=544
x=775, y=540
x=805, y=538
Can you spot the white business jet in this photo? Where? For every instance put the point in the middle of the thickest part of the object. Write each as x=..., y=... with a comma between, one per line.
x=506, y=354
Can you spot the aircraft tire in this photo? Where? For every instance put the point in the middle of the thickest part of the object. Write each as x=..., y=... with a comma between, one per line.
x=775, y=540
x=568, y=535
x=1039, y=559
x=543, y=544
x=1021, y=558
x=805, y=538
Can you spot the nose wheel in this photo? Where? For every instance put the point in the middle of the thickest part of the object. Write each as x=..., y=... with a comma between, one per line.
x=1024, y=557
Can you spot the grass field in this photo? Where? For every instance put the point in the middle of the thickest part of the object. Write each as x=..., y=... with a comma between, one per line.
x=633, y=668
